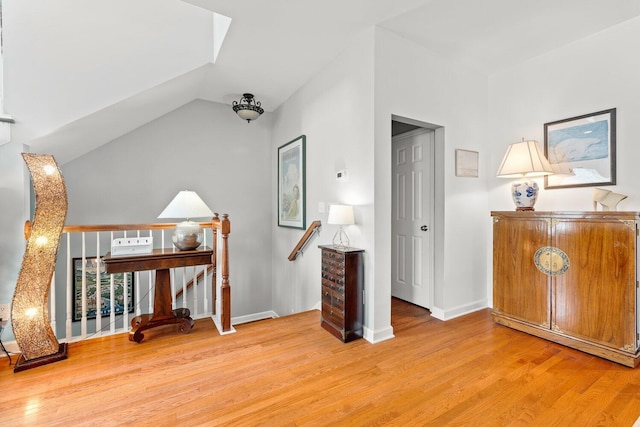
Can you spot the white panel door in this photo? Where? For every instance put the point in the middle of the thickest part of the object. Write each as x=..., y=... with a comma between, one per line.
x=412, y=241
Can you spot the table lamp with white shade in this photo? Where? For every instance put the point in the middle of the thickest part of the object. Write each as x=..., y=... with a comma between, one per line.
x=524, y=159
x=187, y=235
x=341, y=215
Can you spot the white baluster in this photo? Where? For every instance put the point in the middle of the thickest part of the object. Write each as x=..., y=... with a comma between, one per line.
x=69, y=286
x=52, y=302
x=172, y=280
x=98, y=286
x=194, y=286
x=151, y=275
x=205, y=299
x=138, y=310
x=83, y=323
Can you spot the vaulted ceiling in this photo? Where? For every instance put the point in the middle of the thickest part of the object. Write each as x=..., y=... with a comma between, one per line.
x=79, y=73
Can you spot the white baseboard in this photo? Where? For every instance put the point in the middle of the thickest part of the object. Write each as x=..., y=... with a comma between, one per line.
x=218, y=324
x=461, y=310
x=254, y=317
x=375, y=337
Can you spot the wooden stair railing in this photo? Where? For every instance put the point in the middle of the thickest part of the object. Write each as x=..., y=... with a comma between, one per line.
x=219, y=224
x=313, y=228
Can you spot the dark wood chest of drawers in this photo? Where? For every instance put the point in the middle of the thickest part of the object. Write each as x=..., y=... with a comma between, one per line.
x=342, y=288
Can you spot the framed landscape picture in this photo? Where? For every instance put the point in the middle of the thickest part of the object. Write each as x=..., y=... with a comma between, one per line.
x=581, y=150
x=94, y=273
x=291, y=184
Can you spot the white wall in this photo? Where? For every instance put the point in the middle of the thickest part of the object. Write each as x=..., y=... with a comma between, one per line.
x=335, y=112
x=414, y=83
x=346, y=112
x=590, y=75
x=14, y=199
x=204, y=147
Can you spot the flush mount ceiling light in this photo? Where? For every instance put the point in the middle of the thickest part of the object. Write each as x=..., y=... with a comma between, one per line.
x=248, y=109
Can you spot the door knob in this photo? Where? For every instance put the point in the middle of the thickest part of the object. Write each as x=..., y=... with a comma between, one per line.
x=424, y=228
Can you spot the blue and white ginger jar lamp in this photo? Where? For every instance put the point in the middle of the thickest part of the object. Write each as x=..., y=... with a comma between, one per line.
x=523, y=160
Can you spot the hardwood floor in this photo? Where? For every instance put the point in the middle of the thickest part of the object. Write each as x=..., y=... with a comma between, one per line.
x=289, y=371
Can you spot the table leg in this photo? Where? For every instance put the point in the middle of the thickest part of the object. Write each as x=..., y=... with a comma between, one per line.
x=162, y=313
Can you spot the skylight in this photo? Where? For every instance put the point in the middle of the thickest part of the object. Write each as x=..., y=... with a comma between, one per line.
x=221, y=25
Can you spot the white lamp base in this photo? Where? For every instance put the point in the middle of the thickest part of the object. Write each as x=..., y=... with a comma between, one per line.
x=187, y=235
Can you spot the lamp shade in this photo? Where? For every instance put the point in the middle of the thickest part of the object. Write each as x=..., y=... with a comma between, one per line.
x=524, y=159
x=340, y=215
x=187, y=204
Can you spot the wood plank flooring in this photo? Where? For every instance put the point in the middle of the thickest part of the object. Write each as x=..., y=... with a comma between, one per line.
x=291, y=372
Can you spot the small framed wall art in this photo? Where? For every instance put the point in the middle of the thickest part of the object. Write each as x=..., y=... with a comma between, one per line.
x=467, y=163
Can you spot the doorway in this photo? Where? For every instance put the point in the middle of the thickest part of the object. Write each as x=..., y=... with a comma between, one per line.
x=413, y=219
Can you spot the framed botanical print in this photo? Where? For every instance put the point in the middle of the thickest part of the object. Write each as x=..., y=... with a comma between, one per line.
x=581, y=150
x=291, y=184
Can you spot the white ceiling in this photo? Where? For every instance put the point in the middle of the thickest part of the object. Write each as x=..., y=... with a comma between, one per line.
x=272, y=48
x=275, y=46
x=489, y=35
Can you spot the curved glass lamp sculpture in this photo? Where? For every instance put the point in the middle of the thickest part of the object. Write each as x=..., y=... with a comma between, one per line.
x=29, y=313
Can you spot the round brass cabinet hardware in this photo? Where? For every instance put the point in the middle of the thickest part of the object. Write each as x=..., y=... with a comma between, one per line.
x=551, y=261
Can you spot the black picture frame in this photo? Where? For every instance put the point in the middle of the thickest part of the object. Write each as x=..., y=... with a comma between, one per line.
x=92, y=265
x=292, y=184
x=581, y=150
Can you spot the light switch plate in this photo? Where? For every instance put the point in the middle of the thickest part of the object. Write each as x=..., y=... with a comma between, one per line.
x=4, y=312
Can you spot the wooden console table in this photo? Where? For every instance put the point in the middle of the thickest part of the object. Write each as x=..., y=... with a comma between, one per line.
x=160, y=260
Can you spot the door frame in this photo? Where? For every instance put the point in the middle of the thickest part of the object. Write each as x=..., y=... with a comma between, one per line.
x=438, y=206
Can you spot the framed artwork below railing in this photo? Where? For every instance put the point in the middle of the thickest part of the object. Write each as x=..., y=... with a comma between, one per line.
x=93, y=272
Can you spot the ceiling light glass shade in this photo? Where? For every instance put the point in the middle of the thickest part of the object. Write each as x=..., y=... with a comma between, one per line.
x=524, y=159
x=187, y=235
x=248, y=109
x=341, y=215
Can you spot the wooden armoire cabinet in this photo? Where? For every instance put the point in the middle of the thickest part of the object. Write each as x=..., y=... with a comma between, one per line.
x=342, y=287
x=571, y=278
